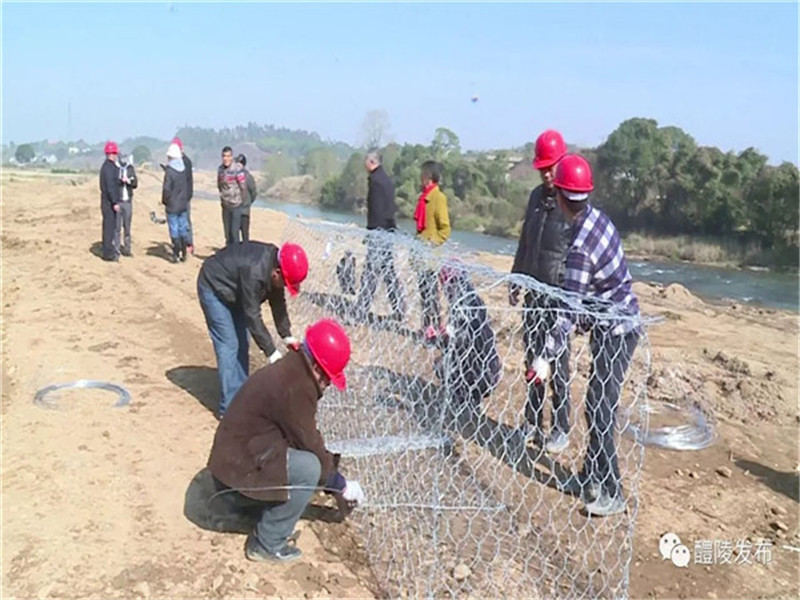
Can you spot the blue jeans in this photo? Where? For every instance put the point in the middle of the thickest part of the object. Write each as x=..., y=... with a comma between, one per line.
x=228, y=330
x=189, y=233
x=178, y=225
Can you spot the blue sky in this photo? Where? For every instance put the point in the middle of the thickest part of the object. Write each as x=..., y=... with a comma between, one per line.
x=725, y=73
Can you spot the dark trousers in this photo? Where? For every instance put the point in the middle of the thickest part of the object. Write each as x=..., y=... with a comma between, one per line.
x=379, y=265
x=429, y=294
x=244, y=227
x=611, y=357
x=231, y=224
x=110, y=251
x=123, y=232
x=538, y=319
x=277, y=520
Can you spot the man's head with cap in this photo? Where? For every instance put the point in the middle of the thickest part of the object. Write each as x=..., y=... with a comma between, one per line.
x=573, y=182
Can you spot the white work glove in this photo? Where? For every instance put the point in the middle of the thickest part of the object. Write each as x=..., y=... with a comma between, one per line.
x=275, y=357
x=353, y=492
x=292, y=342
x=539, y=372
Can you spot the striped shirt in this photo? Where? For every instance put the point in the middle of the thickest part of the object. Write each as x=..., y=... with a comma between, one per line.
x=596, y=267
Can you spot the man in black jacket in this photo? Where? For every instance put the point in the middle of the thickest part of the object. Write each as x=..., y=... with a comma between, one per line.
x=231, y=286
x=190, y=179
x=381, y=209
x=175, y=198
x=541, y=253
x=110, y=197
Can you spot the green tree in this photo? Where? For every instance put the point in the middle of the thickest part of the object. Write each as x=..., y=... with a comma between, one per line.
x=320, y=163
x=25, y=153
x=276, y=167
x=142, y=154
x=445, y=144
x=773, y=206
x=627, y=169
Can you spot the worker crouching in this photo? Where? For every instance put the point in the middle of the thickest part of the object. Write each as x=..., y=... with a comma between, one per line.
x=268, y=454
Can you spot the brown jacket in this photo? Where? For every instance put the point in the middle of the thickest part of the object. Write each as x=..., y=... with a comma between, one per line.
x=274, y=410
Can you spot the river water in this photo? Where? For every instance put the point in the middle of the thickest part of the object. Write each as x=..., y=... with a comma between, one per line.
x=774, y=290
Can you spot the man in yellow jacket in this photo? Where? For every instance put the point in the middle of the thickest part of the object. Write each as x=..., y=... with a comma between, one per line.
x=433, y=227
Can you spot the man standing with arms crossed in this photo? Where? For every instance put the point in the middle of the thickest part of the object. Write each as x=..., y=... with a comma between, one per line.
x=232, y=185
x=541, y=253
x=381, y=210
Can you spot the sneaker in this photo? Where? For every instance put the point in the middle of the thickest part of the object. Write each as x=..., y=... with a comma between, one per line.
x=590, y=492
x=606, y=505
x=254, y=550
x=556, y=442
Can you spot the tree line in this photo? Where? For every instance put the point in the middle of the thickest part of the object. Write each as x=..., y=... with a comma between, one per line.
x=649, y=179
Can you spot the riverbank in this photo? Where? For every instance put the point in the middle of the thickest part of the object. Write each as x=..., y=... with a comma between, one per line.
x=709, y=252
x=682, y=248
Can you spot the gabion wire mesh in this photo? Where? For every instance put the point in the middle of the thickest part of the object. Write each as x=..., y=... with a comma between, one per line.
x=462, y=499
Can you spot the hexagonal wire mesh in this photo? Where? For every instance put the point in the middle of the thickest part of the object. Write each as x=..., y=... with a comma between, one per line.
x=461, y=498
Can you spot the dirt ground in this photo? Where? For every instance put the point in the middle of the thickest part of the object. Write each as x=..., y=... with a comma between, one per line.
x=93, y=496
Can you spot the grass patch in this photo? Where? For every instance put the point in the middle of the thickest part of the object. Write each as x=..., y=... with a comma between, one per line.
x=710, y=251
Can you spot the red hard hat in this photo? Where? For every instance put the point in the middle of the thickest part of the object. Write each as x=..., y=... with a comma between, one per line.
x=550, y=147
x=111, y=148
x=294, y=266
x=330, y=347
x=574, y=174
x=177, y=141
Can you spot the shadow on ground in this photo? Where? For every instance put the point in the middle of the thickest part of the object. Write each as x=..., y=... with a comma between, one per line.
x=786, y=483
x=423, y=400
x=160, y=250
x=208, y=508
x=202, y=382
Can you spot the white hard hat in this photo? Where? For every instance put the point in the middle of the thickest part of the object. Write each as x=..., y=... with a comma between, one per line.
x=174, y=151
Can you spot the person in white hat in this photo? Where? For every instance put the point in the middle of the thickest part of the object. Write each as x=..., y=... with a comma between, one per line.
x=175, y=198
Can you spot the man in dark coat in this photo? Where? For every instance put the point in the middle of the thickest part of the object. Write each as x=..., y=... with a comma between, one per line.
x=381, y=210
x=268, y=455
x=110, y=197
x=175, y=198
x=468, y=343
x=190, y=181
x=232, y=285
x=541, y=253
x=252, y=192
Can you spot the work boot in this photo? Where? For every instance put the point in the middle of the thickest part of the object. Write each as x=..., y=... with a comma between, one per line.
x=176, y=250
x=556, y=442
x=606, y=505
x=254, y=550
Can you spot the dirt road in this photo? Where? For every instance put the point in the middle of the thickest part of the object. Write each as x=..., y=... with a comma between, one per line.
x=93, y=496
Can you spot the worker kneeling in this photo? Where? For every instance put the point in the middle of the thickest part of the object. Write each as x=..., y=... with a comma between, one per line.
x=268, y=454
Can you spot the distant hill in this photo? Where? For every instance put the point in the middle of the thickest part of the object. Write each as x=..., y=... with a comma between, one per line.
x=203, y=145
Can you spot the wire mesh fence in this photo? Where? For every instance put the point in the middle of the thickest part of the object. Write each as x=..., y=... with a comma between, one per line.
x=470, y=491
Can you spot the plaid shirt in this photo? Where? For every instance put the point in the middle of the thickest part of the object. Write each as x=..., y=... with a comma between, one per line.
x=596, y=267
